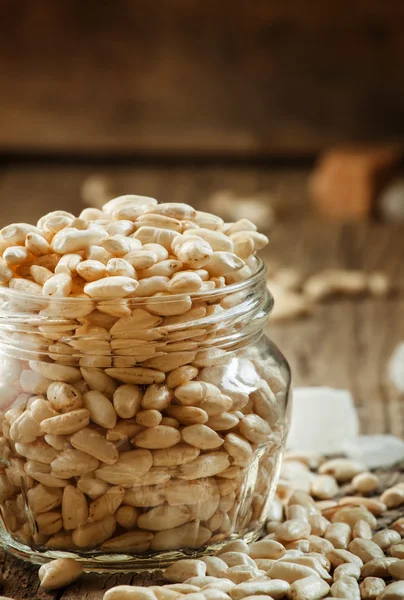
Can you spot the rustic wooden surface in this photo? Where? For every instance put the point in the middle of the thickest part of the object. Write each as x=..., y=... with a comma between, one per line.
x=192, y=76
x=346, y=343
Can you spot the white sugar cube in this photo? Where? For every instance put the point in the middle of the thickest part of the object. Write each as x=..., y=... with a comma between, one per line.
x=323, y=419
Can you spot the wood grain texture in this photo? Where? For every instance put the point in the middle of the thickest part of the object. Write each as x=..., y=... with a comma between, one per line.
x=186, y=76
x=346, y=343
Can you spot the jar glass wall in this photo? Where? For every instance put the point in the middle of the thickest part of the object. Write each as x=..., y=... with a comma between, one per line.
x=138, y=431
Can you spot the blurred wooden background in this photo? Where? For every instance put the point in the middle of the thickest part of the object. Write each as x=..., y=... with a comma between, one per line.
x=180, y=77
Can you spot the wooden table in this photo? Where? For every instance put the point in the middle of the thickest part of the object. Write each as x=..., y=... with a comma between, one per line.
x=346, y=343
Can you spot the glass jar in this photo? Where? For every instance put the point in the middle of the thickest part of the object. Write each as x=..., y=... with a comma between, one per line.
x=138, y=431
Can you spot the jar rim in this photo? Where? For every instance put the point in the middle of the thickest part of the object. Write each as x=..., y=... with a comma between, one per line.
x=256, y=277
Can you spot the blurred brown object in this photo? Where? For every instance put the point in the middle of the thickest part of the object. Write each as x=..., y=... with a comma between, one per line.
x=96, y=190
x=390, y=204
x=346, y=181
x=257, y=207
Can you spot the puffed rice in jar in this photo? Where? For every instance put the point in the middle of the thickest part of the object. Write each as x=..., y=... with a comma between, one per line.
x=143, y=411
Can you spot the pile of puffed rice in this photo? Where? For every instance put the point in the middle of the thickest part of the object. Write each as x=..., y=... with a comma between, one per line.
x=316, y=546
x=132, y=247
x=110, y=387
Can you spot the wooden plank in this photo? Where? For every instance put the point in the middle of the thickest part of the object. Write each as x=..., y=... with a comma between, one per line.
x=185, y=77
x=347, y=343
x=29, y=190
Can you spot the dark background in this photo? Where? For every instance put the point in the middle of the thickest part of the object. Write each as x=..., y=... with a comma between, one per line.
x=199, y=77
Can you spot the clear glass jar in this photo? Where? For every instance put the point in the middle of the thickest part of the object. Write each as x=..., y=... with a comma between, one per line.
x=138, y=431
